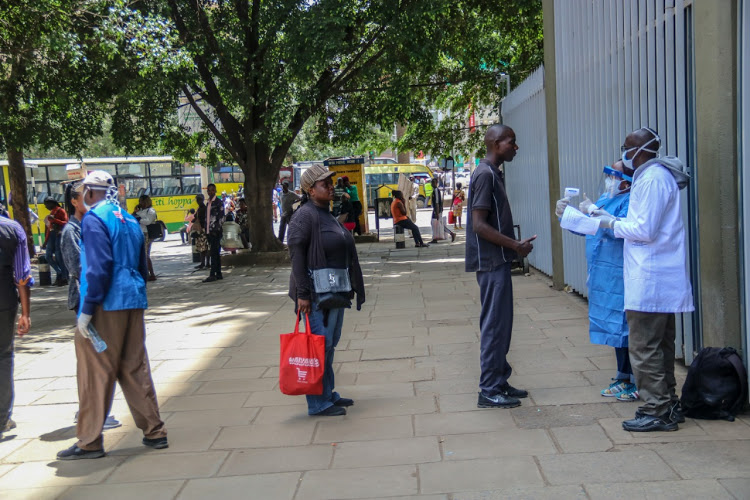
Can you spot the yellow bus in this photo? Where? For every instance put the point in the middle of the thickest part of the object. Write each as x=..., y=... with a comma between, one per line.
x=383, y=178
x=172, y=185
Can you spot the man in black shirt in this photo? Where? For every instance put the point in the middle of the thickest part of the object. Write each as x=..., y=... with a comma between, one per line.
x=491, y=246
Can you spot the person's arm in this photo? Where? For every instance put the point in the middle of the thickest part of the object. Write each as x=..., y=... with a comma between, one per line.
x=24, y=321
x=298, y=242
x=71, y=252
x=480, y=211
x=654, y=197
x=401, y=208
x=99, y=262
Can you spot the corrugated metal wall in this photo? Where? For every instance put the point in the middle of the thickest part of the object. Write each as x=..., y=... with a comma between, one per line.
x=621, y=64
x=744, y=144
x=527, y=181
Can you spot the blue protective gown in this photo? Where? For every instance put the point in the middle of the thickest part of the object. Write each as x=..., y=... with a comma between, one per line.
x=607, y=323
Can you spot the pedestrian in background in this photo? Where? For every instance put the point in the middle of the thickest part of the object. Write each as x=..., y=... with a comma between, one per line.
x=413, y=199
x=353, y=193
x=242, y=220
x=287, y=199
x=145, y=214
x=398, y=212
x=199, y=232
x=15, y=281
x=70, y=244
x=437, y=214
x=54, y=224
x=113, y=300
x=491, y=247
x=185, y=229
x=656, y=278
x=213, y=227
x=338, y=193
x=604, y=257
x=458, y=205
x=318, y=241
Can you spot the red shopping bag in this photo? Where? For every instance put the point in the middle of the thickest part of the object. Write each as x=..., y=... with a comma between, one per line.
x=451, y=217
x=302, y=361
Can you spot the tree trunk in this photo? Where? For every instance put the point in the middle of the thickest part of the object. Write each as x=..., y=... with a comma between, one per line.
x=403, y=156
x=260, y=180
x=18, y=195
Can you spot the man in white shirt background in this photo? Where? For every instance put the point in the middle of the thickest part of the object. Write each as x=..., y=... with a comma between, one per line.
x=656, y=277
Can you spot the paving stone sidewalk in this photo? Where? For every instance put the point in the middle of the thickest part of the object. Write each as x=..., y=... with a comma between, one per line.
x=409, y=359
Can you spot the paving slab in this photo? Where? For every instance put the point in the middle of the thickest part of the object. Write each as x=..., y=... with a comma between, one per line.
x=723, y=459
x=473, y=475
x=581, y=439
x=152, y=490
x=366, y=482
x=527, y=493
x=353, y=428
x=161, y=466
x=633, y=465
x=270, y=460
x=505, y=443
x=667, y=490
x=276, y=486
x=386, y=452
x=438, y=424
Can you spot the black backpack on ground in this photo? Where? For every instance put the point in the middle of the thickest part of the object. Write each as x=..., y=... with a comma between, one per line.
x=716, y=385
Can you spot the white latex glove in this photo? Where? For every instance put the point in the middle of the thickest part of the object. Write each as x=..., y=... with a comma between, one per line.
x=560, y=206
x=83, y=325
x=600, y=211
x=606, y=221
x=586, y=206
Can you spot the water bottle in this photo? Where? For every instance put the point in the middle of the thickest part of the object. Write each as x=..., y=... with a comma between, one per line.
x=99, y=344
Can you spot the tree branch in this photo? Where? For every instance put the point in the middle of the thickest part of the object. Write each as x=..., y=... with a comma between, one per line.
x=206, y=120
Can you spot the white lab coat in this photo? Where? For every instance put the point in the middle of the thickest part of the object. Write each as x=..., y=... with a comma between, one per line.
x=655, y=265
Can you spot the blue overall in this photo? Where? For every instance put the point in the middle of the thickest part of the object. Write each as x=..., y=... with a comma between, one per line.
x=607, y=323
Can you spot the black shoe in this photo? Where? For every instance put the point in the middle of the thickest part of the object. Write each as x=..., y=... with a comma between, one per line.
x=650, y=423
x=674, y=413
x=421, y=245
x=200, y=267
x=343, y=402
x=498, y=401
x=75, y=453
x=9, y=426
x=331, y=411
x=433, y=242
x=511, y=391
x=210, y=279
x=157, y=444
x=453, y=237
x=219, y=277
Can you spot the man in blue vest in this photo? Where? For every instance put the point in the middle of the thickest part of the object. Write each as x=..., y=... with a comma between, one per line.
x=113, y=299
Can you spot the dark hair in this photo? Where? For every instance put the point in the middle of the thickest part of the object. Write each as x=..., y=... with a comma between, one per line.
x=71, y=194
x=212, y=184
x=192, y=210
x=304, y=198
x=398, y=194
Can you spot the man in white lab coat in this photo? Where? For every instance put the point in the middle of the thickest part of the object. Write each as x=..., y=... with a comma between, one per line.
x=656, y=277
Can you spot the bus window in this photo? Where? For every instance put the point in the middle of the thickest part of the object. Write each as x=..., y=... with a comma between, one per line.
x=132, y=170
x=134, y=187
x=160, y=170
x=191, y=184
x=164, y=186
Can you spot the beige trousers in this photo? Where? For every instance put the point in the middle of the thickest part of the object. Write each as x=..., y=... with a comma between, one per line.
x=125, y=360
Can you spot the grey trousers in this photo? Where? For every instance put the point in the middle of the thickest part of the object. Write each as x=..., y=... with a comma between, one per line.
x=496, y=325
x=651, y=346
x=7, y=332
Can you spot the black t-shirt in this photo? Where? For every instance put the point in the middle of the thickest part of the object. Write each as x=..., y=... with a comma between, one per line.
x=487, y=192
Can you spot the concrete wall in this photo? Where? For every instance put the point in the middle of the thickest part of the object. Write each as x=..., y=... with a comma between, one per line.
x=715, y=35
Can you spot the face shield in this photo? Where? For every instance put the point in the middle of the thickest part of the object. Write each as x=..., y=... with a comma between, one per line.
x=613, y=182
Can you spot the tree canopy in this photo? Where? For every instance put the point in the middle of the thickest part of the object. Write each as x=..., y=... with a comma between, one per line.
x=260, y=70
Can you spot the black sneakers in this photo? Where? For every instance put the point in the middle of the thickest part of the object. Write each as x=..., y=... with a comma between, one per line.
x=511, y=391
x=157, y=443
x=343, y=402
x=499, y=401
x=650, y=423
x=76, y=453
x=674, y=413
x=331, y=411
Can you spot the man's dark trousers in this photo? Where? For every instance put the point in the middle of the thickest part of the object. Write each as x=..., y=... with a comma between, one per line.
x=496, y=324
x=282, y=225
x=214, y=243
x=7, y=322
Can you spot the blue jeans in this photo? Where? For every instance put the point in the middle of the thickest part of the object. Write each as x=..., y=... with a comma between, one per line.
x=495, y=325
x=624, y=370
x=54, y=255
x=332, y=333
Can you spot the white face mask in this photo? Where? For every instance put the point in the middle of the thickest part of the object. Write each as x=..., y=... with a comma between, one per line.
x=610, y=186
x=629, y=162
x=83, y=199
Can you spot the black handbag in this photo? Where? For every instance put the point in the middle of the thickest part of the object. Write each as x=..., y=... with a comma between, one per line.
x=332, y=288
x=154, y=230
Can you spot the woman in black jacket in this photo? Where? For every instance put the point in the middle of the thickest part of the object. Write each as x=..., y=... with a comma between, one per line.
x=318, y=241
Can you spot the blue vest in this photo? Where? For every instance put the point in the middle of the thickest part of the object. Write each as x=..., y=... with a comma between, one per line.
x=127, y=290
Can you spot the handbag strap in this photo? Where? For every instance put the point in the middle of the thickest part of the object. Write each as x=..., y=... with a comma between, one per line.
x=307, y=325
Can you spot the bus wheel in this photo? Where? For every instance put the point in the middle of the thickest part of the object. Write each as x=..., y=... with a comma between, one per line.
x=420, y=202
